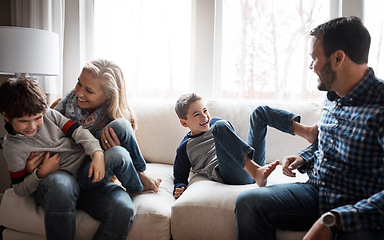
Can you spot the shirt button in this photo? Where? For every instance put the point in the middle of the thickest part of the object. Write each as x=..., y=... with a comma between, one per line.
x=336, y=122
x=325, y=159
x=332, y=141
x=314, y=172
x=323, y=183
x=339, y=104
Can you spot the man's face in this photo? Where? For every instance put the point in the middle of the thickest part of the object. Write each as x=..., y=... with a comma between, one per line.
x=26, y=125
x=321, y=65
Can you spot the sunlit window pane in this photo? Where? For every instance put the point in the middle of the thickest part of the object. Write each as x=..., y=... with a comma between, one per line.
x=374, y=20
x=149, y=40
x=265, y=49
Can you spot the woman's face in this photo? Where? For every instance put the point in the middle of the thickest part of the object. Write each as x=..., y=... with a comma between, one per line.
x=89, y=92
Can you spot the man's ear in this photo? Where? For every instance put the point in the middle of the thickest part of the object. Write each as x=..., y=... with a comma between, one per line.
x=183, y=122
x=337, y=58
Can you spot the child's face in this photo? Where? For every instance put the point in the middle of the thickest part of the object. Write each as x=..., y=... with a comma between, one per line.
x=89, y=92
x=27, y=125
x=197, y=118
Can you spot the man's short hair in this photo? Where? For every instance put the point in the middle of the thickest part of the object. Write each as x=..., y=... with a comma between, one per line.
x=347, y=34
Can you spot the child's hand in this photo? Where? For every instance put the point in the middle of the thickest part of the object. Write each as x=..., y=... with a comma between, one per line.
x=49, y=165
x=97, y=168
x=109, y=138
x=34, y=161
x=178, y=192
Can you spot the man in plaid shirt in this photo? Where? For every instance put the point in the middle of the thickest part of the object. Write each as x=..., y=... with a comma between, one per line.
x=344, y=197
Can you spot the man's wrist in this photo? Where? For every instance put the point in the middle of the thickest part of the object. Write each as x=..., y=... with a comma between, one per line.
x=331, y=221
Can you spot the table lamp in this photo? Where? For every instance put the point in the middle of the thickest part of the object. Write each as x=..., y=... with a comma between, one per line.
x=28, y=51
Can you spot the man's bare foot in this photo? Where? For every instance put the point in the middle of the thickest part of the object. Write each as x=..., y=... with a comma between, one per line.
x=263, y=173
x=148, y=182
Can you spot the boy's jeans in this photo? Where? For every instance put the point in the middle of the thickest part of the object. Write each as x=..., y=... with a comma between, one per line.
x=262, y=117
x=59, y=193
x=232, y=151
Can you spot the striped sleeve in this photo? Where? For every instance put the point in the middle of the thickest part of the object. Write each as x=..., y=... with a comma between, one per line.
x=18, y=177
x=69, y=127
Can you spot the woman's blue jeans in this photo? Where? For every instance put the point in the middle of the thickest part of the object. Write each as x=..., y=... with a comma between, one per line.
x=60, y=193
x=262, y=117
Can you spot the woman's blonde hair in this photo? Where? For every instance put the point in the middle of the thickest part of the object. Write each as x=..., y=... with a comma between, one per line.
x=113, y=83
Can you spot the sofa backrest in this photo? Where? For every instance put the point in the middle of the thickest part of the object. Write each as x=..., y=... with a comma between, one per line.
x=159, y=131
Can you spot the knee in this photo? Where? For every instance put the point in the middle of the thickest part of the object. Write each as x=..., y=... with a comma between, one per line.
x=62, y=186
x=121, y=125
x=260, y=111
x=117, y=155
x=123, y=208
x=221, y=125
x=250, y=201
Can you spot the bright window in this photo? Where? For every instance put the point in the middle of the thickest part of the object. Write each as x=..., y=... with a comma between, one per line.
x=374, y=21
x=265, y=49
x=149, y=40
x=261, y=47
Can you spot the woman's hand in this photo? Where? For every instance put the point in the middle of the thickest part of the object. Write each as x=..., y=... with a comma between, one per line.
x=109, y=138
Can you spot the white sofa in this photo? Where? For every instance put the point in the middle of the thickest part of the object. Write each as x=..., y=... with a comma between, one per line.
x=205, y=210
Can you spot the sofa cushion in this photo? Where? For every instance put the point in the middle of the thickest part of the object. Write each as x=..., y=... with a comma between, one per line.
x=206, y=208
x=159, y=131
x=152, y=219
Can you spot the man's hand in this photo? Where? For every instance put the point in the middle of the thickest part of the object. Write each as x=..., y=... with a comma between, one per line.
x=109, y=139
x=34, y=161
x=178, y=192
x=49, y=165
x=291, y=163
x=97, y=167
x=318, y=232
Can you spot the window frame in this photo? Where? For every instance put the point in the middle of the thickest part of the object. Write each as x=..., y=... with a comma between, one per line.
x=206, y=41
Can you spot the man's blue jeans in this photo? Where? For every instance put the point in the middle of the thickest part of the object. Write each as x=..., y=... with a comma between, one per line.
x=260, y=211
x=291, y=206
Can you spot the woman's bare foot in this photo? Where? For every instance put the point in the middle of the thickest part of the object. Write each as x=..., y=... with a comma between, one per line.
x=148, y=182
x=262, y=173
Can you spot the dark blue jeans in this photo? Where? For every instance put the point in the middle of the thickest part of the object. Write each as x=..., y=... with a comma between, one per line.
x=262, y=117
x=60, y=193
x=291, y=206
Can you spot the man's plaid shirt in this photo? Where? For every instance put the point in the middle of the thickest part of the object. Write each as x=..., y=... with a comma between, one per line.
x=347, y=162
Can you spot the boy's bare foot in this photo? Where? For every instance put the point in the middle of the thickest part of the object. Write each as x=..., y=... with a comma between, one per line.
x=148, y=182
x=313, y=132
x=263, y=173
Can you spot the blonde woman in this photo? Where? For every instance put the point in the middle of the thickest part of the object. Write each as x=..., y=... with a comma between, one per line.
x=99, y=103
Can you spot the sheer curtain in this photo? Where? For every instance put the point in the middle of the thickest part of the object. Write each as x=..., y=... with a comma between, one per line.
x=72, y=20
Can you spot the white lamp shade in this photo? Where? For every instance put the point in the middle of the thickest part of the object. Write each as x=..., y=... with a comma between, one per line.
x=29, y=50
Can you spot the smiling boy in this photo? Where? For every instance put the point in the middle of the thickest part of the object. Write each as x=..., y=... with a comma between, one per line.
x=212, y=148
x=33, y=128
